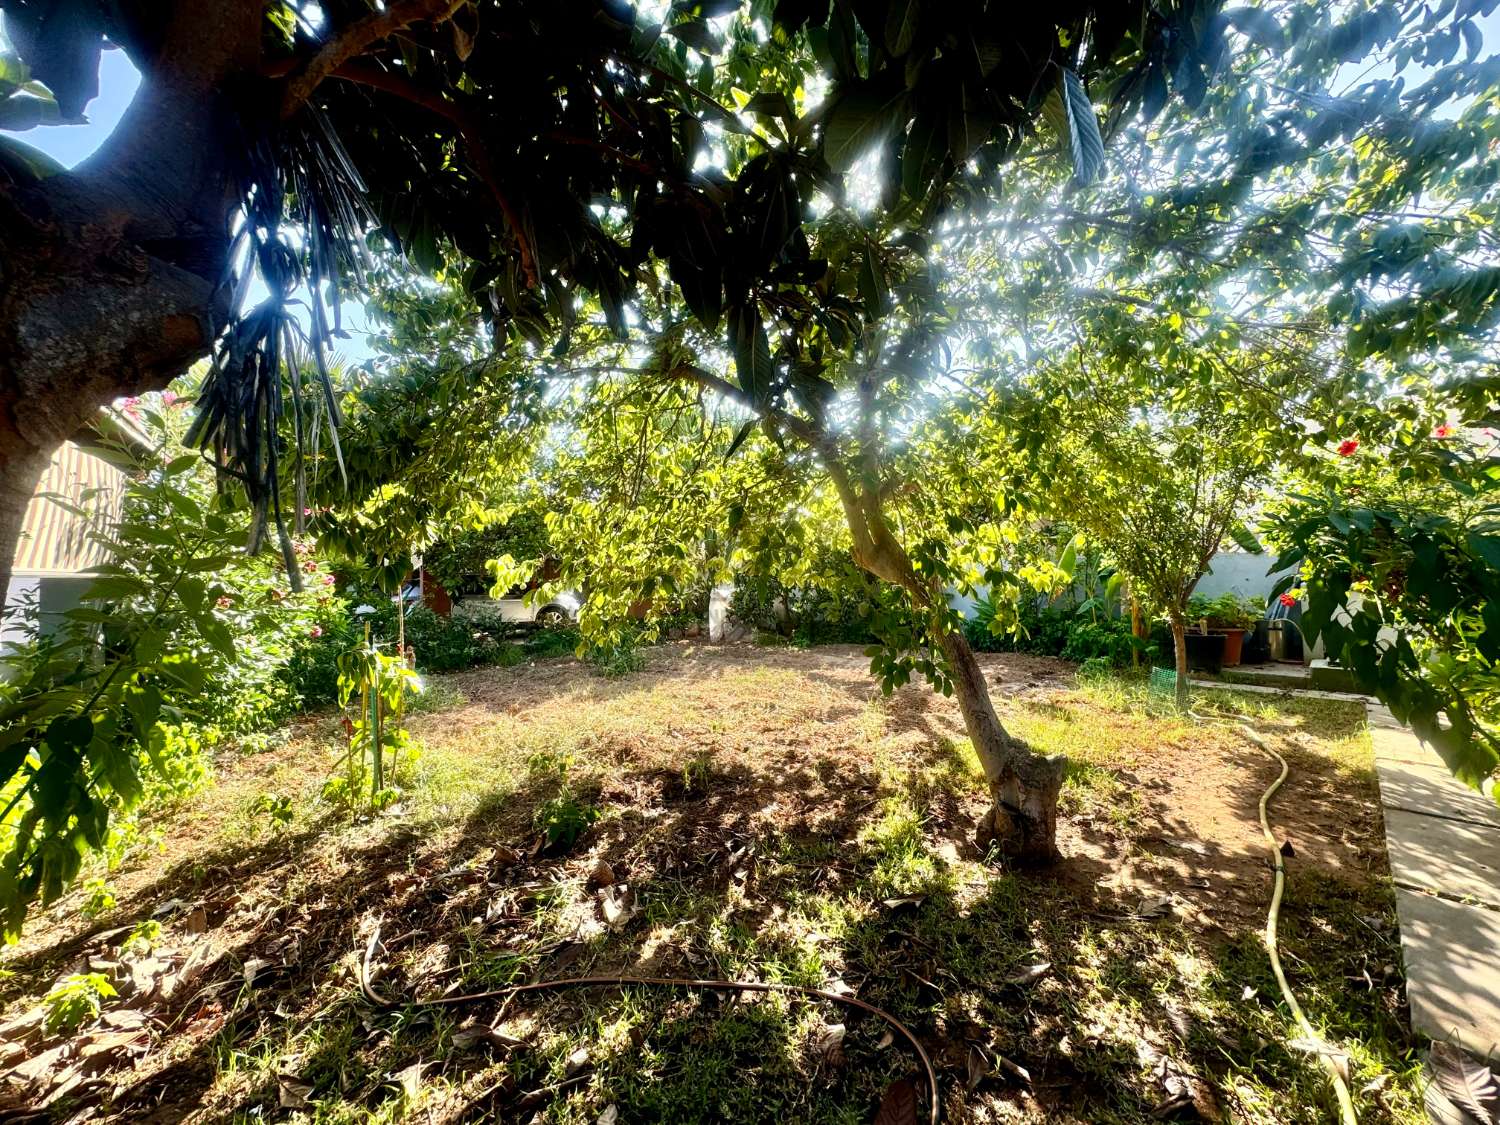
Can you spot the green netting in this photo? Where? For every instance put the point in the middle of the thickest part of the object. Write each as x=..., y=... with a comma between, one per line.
x=1164, y=681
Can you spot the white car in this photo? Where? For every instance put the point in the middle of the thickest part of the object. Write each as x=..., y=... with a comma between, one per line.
x=518, y=608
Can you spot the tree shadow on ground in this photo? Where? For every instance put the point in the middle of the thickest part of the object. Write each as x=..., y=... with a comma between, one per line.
x=1043, y=994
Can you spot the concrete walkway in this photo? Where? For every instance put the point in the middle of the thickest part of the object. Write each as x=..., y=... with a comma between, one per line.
x=1443, y=840
x=1444, y=845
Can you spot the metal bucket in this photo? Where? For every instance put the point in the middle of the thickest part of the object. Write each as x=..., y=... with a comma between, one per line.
x=1276, y=638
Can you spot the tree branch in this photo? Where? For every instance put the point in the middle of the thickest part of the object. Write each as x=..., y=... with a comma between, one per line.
x=356, y=39
x=479, y=156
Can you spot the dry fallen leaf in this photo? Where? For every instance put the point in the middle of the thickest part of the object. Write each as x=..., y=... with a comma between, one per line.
x=617, y=904
x=409, y=1078
x=1028, y=973
x=602, y=874
x=467, y=1037
x=196, y=921
x=830, y=1043
x=610, y=1115
x=899, y=1106
x=292, y=1092
x=909, y=902
x=577, y=1062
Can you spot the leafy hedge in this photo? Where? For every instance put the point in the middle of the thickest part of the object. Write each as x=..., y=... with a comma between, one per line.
x=1062, y=633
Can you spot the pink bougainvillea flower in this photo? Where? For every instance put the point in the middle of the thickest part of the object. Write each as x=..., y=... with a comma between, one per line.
x=315, y=631
x=1287, y=600
x=307, y=511
x=311, y=566
x=328, y=580
x=1443, y=431
x=224, y=602
x=1348, y=446
x=169, y=398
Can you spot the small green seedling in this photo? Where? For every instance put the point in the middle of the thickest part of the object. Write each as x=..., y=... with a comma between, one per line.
x=75, y=1000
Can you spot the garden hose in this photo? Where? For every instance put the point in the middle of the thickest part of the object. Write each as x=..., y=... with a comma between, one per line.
x=1317, y=1043
x=380, y=1001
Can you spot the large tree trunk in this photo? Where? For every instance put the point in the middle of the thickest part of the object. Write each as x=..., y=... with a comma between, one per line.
x=1179, y=648
x=111, y=276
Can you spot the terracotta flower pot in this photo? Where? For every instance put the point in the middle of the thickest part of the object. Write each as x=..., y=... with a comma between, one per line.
x=1234, y=642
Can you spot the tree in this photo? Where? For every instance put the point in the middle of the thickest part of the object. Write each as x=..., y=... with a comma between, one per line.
x=271, y=137
x=1151, y=440
x=1398, y=539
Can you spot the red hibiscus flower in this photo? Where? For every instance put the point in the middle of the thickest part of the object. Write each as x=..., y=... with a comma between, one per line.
x=1348, y=446
x=1443, y=431
x=1287, y=600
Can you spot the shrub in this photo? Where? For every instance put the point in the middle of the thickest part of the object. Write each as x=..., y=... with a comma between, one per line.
x=839, y=604
x=1043, y=632
x=621, y=658
x=1096, y=667
x=1108, y=640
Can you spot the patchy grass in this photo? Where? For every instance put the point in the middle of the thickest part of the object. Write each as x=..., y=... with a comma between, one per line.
x=770, y=817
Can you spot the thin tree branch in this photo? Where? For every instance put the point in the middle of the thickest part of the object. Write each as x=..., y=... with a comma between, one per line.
x=358, y=38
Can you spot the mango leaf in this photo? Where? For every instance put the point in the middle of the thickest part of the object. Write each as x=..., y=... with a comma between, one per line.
x=739, y=440
x=1245, y=539
x=752, y=352
x=901, y=22
x=1258, y=25
x=697, y=35
x=858, y=121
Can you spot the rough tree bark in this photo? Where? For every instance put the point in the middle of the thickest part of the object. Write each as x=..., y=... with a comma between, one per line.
x=1022, y=821
x=1179, y=649
x=111, y=274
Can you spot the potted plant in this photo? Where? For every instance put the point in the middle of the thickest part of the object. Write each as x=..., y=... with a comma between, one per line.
x=1228, y=616
x=1204, y=651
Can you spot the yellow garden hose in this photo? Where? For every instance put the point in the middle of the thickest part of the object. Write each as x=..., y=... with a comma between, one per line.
x=1315, y=1041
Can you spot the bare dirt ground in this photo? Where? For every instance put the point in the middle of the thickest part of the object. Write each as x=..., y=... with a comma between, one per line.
x=765, y=815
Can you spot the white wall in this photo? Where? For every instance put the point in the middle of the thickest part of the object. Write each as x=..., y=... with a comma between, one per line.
x=1235, y=572
x=54, y=596
x=1241, y=574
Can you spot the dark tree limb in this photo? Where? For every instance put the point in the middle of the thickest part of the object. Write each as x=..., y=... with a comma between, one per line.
x=358, y=38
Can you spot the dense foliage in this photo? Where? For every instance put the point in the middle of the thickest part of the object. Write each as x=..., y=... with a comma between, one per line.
x=177, y=646
x=1399, y=554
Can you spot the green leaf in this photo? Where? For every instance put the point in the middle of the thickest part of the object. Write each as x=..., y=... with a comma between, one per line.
x=752, y=352
x=1258, y=25
x=739, y=440
x=69, y=732
x=1084, y=142
x=858, y=121
x=696, y=34
x=901, y=22
x=772, y=103
x=20, y=112
x=1067, y=562
x=1245, y=539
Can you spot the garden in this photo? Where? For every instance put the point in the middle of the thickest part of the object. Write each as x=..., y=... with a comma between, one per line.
x=741, y=561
